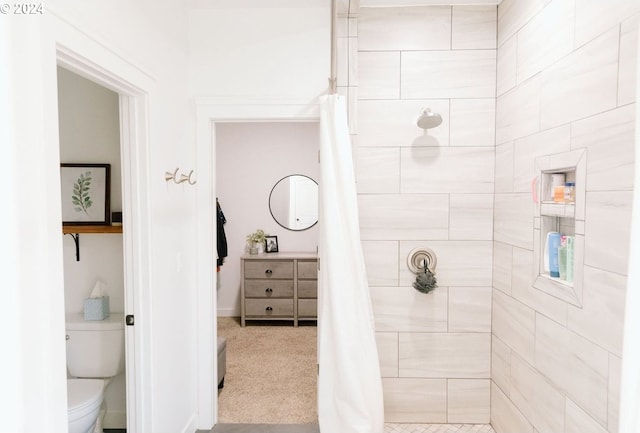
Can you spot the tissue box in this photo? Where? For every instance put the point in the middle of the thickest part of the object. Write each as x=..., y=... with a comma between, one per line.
x=96, y=308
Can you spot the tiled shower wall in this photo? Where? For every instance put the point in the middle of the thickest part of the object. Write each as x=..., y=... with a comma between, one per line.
x=566, y=74
x=429, y=190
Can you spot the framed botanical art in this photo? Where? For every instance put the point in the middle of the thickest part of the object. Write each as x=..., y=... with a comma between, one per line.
x=85, y=193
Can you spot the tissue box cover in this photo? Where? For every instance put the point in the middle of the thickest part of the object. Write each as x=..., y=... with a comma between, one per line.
x=96, y=308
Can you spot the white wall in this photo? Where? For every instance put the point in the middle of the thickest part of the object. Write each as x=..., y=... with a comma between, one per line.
x=250, y=159
x=431, y=191
x=566, y=81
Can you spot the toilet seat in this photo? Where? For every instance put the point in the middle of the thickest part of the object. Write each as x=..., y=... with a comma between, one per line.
x=83, y=396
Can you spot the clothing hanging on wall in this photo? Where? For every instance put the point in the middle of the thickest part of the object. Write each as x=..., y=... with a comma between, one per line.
x=221, y=237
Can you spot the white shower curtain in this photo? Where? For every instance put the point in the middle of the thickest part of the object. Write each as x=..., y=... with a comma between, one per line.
x=349, y=383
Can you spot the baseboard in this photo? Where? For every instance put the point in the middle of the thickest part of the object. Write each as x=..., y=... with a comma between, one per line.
x=228, y=312
x=115, y=420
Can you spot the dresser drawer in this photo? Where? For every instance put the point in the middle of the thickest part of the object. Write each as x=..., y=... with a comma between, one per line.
x=268, y=288
x=268, y=269
x=308, y=270
x=269, y=307
x=307, y=308
x=308, y=289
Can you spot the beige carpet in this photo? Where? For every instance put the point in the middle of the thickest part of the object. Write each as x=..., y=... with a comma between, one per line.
x=271, y=373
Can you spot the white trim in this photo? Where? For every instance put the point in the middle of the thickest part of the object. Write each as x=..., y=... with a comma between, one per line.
x=208, y=112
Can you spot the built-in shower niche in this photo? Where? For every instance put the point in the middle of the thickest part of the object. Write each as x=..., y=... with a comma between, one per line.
x=565, y=217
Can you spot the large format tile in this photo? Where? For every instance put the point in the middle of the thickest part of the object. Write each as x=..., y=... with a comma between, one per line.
x=627, y=75
x=578, y=421
x=471, y=217
x=378, y=170
x=595, y=17
x=404, y=28
x=415, y=400
x=404, y=216
x=513, y=219
x=575, y=365
x=474, y=27
x=473, y=122
x=505, y=416
x=601, y=318
x=539, y=401
x=504, y=176
x=513, y=14
x=381, y=261
x=448, y=74
x=502, y=266
x=393, y=123
x=518, y=111
x=469, y=309
x=606, y=246
x=609, y=138
x=445, y=355
x=546, y=38
x=387, y=344
x=468, y=400
x=378, y=75
x=615, y=370
x=568, y=90
x=460, y=263
x=500, y=364
x=404, y=309
x=515, y=324
x=506, y=66
x=447, y=170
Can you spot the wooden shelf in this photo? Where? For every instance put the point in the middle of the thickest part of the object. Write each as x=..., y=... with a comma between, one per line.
x=68, y=229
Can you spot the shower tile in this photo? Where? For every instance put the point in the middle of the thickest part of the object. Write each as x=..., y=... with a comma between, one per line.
x=628, y=64
x=526, y=150
x=445, y=355
x=393, y=123
x=447, y=170
x=471, y=217
x=468, y=400
x=505, y=416
x=601, y=318
x=513, y=219
x=566, y=92
x=448, y=74
x=513, y=14
x=578, y=421
x=404, y=309
x=538, y=400
x=502, y=266
x=474, y=27
x=518, y=111
x=609, y=138
x=504, y=167
x=387, y=344
x=406, y=216
x=500, y=364
x=469, y=309
x=606, y=247
x=575, y=365
x=506, y=66
x=594, y=18
x=415, y=400
x=378, y=170
x=515, y=324
x=473, y=122
x=353, y=61
x=460, y=263
x=378, y=75
x=404, y=28
x=545, y=39
x=615, y=370
x=381, y=261
x=342, y=61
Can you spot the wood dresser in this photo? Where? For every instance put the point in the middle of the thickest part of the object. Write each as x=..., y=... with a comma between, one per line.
x=279, y=286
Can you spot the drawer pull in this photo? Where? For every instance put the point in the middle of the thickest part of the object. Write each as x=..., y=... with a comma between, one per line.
x=269, y=309
x=268, y=290
x=268, y=272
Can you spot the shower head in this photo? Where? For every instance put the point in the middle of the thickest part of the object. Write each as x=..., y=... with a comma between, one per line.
x=429, y=119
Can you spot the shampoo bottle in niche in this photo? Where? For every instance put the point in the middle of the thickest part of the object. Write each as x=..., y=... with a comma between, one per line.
x=551, y=254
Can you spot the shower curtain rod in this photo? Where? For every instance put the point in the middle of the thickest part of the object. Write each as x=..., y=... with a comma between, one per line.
x=333, y=79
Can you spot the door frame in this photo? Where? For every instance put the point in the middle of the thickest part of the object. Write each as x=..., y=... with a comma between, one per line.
x=129, y=83
x=210, y=111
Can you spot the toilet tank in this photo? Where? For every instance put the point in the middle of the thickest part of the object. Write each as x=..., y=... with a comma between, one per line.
x=95, y=348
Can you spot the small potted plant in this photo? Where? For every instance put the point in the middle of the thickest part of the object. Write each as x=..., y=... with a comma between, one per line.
x=256, y=240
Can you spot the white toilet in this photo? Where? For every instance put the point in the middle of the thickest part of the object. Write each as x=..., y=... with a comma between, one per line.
x=94, y=356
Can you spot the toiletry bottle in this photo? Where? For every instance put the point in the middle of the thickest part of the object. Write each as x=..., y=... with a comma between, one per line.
x=570, y=254
x=570, y=192
x=562, y=258
x=551, y=251
x=557, y=187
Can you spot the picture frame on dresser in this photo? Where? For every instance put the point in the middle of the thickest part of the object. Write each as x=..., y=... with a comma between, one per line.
x=271, y=244
x=85, y=193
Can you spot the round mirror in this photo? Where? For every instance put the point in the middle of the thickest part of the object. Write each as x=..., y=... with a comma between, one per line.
x=293, y=202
